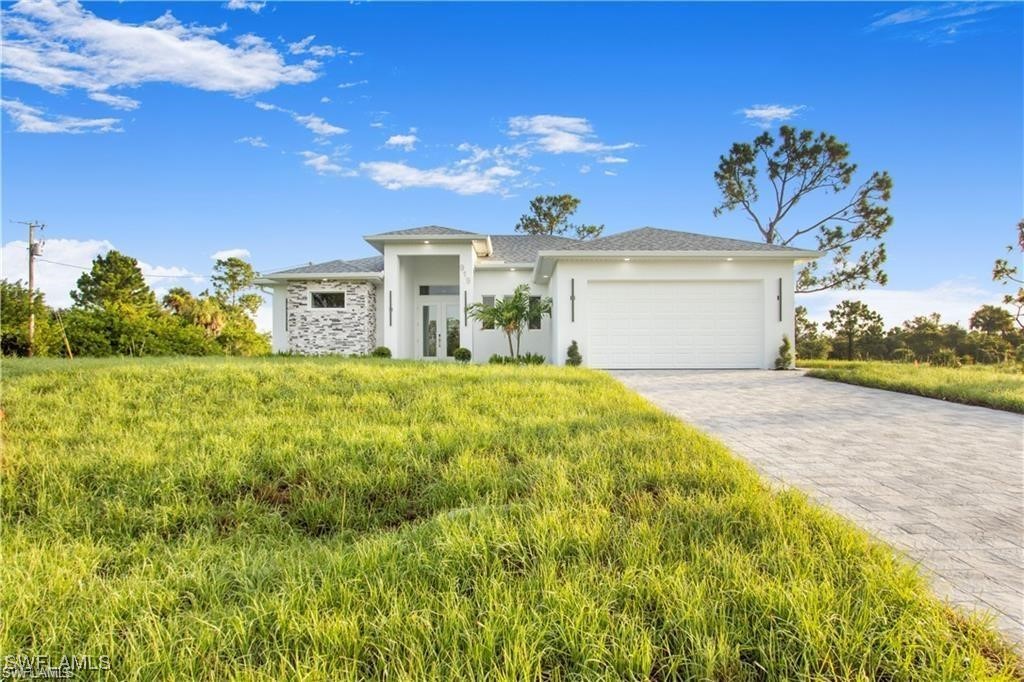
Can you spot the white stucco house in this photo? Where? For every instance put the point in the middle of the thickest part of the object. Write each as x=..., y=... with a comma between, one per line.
x=645, y=298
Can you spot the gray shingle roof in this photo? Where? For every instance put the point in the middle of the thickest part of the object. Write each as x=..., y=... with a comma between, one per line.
x=420, y=231
x=657, y=239
x=523, y=248
x=338, y=267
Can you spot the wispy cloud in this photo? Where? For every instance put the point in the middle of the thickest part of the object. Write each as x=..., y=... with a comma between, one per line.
x=312, y=122
x=934, y=22
x=324, y=164
x=405, y=142
x=467, y=180
x=230, y=253
x=767, y=115
x=306, y=46
x=28, y=119
x=252, y=141
x=613, y=159
x=60, y=45
x=250, y=5
x=610, y=173
x=325, y=99
x=116, y=101
x=345, y=86
x=561, y=134
x=584, y=169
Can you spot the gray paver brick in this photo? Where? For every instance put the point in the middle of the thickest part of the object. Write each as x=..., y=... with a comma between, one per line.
x=944, y=483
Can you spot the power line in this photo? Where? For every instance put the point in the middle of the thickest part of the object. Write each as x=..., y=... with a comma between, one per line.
x=83, y=267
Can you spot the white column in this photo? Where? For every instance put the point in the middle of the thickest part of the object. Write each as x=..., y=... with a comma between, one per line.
x=467, y=265
x=390, y=302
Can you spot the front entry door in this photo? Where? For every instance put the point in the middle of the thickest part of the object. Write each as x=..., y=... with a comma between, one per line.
x=438, y=329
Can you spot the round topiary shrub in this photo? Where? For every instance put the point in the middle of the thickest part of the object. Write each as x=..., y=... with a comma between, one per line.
x=381, y=352
x=462, y=355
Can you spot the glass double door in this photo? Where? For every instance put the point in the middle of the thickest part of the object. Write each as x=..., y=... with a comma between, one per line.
x=439, y=328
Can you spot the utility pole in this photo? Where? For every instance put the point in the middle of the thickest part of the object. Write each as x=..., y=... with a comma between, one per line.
x=33, y=251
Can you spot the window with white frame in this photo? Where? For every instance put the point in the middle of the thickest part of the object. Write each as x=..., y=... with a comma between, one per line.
x=488, y=301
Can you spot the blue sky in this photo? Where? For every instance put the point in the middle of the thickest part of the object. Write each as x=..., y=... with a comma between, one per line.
x=174, y=131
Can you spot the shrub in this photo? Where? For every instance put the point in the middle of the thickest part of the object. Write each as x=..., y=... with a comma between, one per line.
x=381, y=352
x=573, y=357
x=785, y=359
x=525, y=359
x=532, y=359
x=902, y=355
x=1019, y=355
x=967, y=360
x=500, y=360
x=944, y=357
x=462, y=355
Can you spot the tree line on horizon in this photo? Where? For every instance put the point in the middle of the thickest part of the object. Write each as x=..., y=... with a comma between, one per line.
x=115, y=312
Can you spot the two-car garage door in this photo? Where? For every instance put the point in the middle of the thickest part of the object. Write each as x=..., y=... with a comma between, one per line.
x=675, y=324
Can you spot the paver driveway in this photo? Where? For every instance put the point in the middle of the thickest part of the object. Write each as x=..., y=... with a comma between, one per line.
x=943, y=482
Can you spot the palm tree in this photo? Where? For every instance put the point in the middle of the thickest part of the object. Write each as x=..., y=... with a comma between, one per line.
x=512, y=314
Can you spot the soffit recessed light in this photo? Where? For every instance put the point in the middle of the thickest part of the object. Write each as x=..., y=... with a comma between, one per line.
x=511, y=269
x=626, y=259
x=728, y=259
x=426, y=241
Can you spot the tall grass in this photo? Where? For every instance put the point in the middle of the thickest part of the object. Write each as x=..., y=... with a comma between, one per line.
x=997, y=386
x=293, y=518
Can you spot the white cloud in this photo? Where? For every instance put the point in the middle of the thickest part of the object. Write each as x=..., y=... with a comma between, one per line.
x=254, y=141
x=406, y=142
x=230, y=253
x=324, y=164
x=306, y=46
x=250, y=5
x=57, y=281
x=30, y=119
x=60, y=45
x=352, y=84
x=610, y=173
x=561, y=134
x=318, y=125
x=376, y=124
x=932, y=12
x=612, y=159
x=310, y=121
x=470, y=180
x=767, y=115
x=325, y=99
x=585, y=168
x=115, y=101
x=954, y=299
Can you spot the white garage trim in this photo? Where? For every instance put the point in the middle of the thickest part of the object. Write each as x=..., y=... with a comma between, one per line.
x=676, y=324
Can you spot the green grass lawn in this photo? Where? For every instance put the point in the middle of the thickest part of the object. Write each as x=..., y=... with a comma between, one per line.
x=339, y=519
x=995, y=386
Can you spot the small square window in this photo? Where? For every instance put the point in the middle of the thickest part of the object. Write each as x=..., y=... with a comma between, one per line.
x=488, y=301
x=327, y=299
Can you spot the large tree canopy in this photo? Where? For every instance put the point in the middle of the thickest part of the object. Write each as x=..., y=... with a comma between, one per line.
x=550, y=215
x=793, y=168
x=114, y=280
x=851, y=322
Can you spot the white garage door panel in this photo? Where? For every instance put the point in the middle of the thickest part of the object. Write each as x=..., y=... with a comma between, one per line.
x=687, y=325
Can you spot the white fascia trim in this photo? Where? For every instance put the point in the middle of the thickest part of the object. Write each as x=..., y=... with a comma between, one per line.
x=546, y=259
x=503, y=265
x=275, y=278
x=377, y=241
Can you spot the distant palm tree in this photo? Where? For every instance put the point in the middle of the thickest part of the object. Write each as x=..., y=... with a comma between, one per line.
x=512, y=314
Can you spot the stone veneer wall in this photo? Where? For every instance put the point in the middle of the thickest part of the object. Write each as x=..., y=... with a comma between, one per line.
x=316, y=331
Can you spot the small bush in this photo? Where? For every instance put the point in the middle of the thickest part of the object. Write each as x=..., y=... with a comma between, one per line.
x=944, y=357
x=462, y=355
x=902, y=355
x=525, y=359
x=785, y=359
x=573, y=357
x=1020, y=353
x=381, y=352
